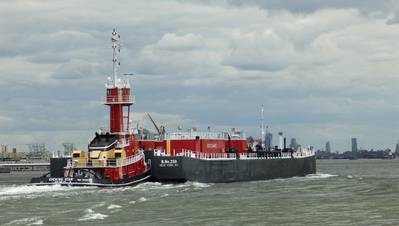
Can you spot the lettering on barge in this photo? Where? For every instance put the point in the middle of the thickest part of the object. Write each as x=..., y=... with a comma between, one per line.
x=169, y=163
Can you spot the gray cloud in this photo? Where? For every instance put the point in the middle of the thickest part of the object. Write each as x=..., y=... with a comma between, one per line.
x=324, y=70
x=310, y=6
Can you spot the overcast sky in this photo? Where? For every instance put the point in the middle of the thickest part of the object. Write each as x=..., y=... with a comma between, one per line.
x=325, y=70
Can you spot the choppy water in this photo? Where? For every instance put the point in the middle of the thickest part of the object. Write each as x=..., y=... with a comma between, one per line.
x=343, y=192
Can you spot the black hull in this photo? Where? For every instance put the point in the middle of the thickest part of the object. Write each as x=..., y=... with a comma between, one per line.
x=180, y=168
x=76, y=181
x=5, y=170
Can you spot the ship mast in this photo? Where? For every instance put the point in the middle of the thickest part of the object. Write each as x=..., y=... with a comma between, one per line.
x=115, y=63
x=118, y=97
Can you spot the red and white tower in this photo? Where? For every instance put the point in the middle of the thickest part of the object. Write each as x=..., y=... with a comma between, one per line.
x=118, y=97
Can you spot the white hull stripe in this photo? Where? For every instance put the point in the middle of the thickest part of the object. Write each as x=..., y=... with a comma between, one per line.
x=95, y=184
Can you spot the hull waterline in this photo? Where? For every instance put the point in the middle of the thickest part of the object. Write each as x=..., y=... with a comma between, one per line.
x=92, y=182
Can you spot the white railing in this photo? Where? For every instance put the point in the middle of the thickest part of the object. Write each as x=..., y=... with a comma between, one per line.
x=229, y=156
x=194, y=134
x=201, y=155
x=303, y=153
x=130, y=159
x=115, y=99
x=120, y=83
x=100, y=163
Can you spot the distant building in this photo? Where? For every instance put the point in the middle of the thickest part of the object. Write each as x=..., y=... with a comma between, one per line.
x=11, y=154
x=354, y=147
x=68, y=149
x=328, y=147
x=37, y=152
x=397, y=150
x=268, y=140
x=3, y=152
x=293, y=143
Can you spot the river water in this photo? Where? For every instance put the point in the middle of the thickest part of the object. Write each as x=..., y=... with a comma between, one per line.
x=343, y=192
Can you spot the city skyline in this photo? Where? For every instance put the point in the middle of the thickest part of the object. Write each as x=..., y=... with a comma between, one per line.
x=269, y=142
x=323, y=70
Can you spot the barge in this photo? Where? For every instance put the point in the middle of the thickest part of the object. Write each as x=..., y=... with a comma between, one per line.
x=226, y=163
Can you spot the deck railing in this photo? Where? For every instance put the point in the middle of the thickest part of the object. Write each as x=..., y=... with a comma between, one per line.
x=115, y=99
x=202, y=135
x=252, y=155
x=100, y=163
x=195, y=134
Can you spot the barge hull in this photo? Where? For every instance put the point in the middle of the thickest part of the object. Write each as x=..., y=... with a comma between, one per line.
x=181, y=168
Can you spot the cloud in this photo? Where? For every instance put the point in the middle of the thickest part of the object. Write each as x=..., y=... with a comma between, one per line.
x=313, y=64
x=311, y=6
x=74, y=69
x=170, y=121
x=263, y=50
x=4, y=120
x=173, y=42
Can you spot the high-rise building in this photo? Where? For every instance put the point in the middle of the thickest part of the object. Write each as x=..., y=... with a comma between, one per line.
x=268, y=140
x=280, y=140
x=397, y=150
x=3, y=151
x=328, y=147
x=354, y=147
x=293, y=143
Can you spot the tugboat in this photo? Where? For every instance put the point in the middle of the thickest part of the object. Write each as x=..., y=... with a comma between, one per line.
x=113, y=158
